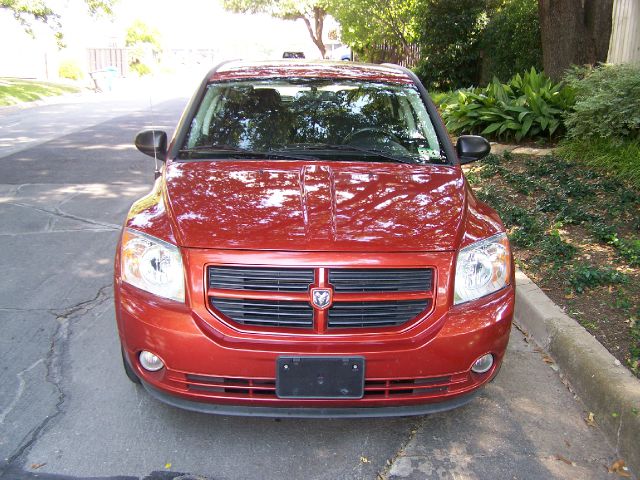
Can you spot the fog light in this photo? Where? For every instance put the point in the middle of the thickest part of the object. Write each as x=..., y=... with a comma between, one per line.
x=150, y=362
x=483, y=364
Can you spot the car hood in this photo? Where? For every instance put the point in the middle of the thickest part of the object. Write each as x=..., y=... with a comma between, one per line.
x=314, y=206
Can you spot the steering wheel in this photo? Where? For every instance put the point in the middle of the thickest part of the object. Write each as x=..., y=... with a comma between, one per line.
x=371, y=132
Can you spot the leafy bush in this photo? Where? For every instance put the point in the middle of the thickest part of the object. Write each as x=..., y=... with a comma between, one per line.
x=140, y=68
x=71, y=70
x=528, y=106
x=466, y=42
x=607, y=102
x=449, y=35
x=511, y=40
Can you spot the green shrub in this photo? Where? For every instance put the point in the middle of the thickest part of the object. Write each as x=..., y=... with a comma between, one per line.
x=607, y=102
x=140, y=68
x=70, y=69
x=528, y=106
x=615, y=157
x=511, y=40
x=466, y=42
x=449, y=38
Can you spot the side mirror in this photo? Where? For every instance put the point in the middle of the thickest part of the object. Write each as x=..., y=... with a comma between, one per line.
x=152, y=143
x=471, y=148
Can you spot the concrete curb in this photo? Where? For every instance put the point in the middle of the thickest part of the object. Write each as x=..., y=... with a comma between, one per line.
x=607, y=388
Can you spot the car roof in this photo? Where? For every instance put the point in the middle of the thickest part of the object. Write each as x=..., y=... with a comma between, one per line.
x=240, y=70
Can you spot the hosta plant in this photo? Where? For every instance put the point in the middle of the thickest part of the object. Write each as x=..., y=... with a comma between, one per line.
x=528, y=106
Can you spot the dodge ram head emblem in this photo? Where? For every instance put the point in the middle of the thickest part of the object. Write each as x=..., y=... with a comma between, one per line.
x=321, y=297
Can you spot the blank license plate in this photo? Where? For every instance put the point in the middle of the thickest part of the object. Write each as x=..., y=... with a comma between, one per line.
x=320, y=377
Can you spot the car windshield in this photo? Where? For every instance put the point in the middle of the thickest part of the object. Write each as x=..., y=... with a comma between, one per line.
x=321, y=119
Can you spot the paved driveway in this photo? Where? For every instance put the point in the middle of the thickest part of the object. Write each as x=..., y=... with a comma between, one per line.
x=68, y=411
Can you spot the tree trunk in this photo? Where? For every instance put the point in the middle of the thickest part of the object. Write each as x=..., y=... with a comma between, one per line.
x=574, y=32
x=315, y=32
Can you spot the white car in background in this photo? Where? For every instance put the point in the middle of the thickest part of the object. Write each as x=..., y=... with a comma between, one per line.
x=341, y=53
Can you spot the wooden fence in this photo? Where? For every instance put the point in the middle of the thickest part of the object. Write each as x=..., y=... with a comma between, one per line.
x=386, y=53
x=101, y=58
x=624, y=46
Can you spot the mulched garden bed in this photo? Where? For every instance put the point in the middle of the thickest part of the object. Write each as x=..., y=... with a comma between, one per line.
x=576, y=233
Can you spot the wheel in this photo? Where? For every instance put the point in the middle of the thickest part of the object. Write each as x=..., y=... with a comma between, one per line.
x=371, y=132
x=128, y=369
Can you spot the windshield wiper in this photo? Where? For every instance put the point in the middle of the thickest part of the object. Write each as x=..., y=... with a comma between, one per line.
x=354, y=148
x=237, y=151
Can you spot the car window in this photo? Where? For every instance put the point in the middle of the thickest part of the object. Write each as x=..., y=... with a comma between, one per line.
x=319, y=114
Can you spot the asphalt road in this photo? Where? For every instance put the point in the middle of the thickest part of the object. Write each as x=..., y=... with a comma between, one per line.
x=68, y=174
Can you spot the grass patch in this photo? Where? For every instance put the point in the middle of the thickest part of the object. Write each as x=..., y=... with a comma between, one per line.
x=14, y=90
x=620, y=158
x=576, y=232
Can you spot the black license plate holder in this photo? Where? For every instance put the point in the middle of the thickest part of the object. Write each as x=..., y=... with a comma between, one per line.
x=320, y=377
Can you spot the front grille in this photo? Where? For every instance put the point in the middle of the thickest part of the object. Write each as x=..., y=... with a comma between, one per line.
x=375, y=314
x=233, y=386
x=409, y=386
x=265, y=313
x=261, y=279
x=353, y=280
x=246, y=388
x=279, y=296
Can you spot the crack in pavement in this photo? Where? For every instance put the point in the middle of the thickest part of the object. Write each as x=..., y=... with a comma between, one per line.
x=59, y=213
x=53, y=363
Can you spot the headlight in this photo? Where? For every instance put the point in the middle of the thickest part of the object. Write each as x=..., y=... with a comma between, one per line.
x=482, y=268
x=152, y=265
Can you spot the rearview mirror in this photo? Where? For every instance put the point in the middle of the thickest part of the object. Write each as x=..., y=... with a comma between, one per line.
x=152, y=143
x=471, y=148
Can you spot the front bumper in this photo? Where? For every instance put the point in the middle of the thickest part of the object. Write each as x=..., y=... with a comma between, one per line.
x=308, y=412
x=422, y=370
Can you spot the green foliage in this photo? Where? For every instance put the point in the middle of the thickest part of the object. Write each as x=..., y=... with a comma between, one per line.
x=71, y=70
x=584, y=276
x=603, y=128
x=393, y=22
x=511, y=40
x=14, y=90
x=576, y=232
x=311, y=12
x=449, y=36
x=140, y=68
x=285, y=9
x=140, y=32
x=634, y=350
x=628, y=249
x=607, y=102
x=616, y=157
x=144, y=46
x=528, y=106
x=26, y=12
x=556, y=250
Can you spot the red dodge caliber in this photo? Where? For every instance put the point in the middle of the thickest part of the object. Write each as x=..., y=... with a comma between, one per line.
x=311, y=248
